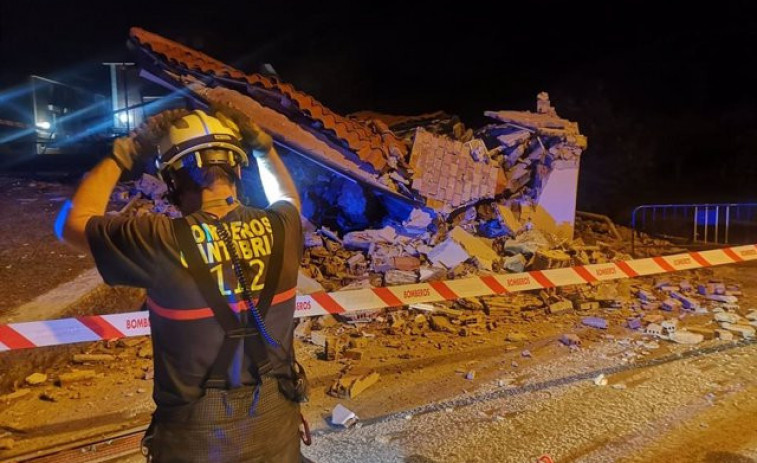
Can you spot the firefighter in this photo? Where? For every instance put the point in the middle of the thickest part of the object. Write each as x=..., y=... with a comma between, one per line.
x=220, y=285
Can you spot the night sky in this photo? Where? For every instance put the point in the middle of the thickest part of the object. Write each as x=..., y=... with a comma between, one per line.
x=666, y=95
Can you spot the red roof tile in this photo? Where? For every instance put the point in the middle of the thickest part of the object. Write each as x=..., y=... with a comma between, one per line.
x=371, y=146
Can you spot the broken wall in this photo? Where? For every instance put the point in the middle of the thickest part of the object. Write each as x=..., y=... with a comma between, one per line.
x=431, y=160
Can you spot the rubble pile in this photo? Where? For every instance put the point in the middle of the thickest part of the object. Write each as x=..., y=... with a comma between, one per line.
x=688, y=308
x=526, y=146
x=142, y=196
x=684, y=308
x=72, y=380
x=604, y=233
x=477, y=240
x=429, y=160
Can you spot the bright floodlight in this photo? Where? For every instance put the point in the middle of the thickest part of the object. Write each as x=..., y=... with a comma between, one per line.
x=44, y=125
x=123, y=117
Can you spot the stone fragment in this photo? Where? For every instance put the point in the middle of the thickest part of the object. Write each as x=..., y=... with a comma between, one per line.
x=746, y=331
x=653, y=318
x=561, y=306
x=508, y=218
x=686, y=337
x=551, y=258
x=670, y=304
x=685, y=286
x=515, y=264
x=475, y=246
x=634, y=323
x=36, y=379
x=595, y=322
x=49, y=395
x=334, y=347
x=399, y=277
x=722, y=298
x=353, y=354
x=653, y=329
x=406, y=263
x=449, y=253
x=645, y=296
x=708, y=333
x=687, y=302
x=516, y=337
x=418, y=221
x=592, y=305
x=318, y=338
x=431, y=273
x=7, y=443
x=441, y=323
x=723, y=335
x=570, y=339
x=145, y=352
x=726, y=317
x=362, y=383
x=313, y=240
x=362, y=240
x=151, y=186
x=66, y=379
x=84, y=358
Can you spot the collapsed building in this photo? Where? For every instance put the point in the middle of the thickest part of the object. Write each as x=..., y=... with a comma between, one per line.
x=397, y=198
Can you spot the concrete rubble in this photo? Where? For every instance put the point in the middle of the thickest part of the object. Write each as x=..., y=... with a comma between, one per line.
x=36, y=379
x=351, y=386
x=342, y=416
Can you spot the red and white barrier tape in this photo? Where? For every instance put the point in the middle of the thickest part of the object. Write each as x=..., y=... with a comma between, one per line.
x=105, y=327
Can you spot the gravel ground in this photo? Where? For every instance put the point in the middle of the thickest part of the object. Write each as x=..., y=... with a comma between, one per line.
x=637, y=417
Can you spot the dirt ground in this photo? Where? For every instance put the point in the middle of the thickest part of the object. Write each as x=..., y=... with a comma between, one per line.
x=32, y=260
x=422, y=369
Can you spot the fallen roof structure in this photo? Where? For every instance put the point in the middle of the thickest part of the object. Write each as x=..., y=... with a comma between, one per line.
x=429, y=160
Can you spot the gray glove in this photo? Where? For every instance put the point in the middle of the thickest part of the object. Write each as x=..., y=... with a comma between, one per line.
x=130, y=150
x=254, y=138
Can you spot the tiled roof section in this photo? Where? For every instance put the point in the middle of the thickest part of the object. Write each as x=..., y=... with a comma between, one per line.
x=392, y=120
x=288, y=132
x=370, y=143
x=445, y=171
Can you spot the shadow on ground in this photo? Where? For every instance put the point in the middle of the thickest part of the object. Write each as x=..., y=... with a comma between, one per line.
x=726, y=457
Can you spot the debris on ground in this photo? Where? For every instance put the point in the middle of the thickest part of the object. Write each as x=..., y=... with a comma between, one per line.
x=15, y=395
x=351, y=386
x=93, y=358
x=600, y=380
x=342, y=416
x=570, y=339
x=35, y=379
x=74, y=376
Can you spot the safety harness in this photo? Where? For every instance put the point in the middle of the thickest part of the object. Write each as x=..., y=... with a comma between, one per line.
x=253, y=337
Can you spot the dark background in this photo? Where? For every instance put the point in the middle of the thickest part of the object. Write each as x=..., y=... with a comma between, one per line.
x=666, y=95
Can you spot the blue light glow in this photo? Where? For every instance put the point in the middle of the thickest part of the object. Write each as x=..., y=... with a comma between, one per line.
x=60, y=221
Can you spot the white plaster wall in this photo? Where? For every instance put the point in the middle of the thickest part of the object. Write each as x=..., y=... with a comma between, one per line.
x=558, y=198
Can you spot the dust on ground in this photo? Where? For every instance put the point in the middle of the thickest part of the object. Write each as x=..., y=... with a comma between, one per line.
x=32, y=260
x=431, y=367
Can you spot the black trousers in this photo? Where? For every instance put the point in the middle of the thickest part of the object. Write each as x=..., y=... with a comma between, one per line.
x=219, y=428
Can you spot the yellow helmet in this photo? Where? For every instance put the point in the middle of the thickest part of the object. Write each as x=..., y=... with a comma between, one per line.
x=210, y=141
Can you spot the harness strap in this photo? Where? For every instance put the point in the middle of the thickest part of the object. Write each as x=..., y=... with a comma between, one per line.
x=236, y=329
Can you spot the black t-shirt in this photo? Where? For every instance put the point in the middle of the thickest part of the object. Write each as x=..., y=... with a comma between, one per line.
x=143, y=252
